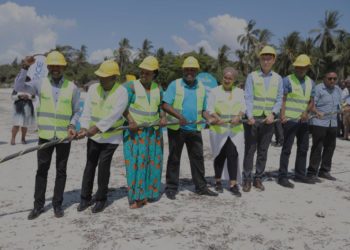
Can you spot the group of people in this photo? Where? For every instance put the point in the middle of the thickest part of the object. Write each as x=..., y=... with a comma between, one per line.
x=241, y=123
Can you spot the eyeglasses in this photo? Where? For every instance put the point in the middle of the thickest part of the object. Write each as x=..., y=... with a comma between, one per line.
x=332, y=78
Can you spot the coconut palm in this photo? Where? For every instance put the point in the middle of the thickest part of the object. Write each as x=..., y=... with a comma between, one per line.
x=249, y=39
x=146, y=49
x=123, y=54
x=288, y=51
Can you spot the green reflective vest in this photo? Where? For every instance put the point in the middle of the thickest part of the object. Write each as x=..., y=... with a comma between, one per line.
x=226, y=109
x=142, y=110
x=54, y=119
x=103, y=107
x=297, y=101
x=264, y=100
x=177, y=105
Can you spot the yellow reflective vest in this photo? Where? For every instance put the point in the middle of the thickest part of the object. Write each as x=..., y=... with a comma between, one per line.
x=102, y=107
x=53, y=120
x=297, y=100
x=226, y=109
x=264, y=100
x=177, y=105
x=142, y=110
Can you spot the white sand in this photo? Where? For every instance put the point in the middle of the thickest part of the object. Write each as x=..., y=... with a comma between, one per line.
x=277, y=218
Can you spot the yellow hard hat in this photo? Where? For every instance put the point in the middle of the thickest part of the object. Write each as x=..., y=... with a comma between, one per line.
x=55, y=58
x=108, y=68
x=302, y=61
x=268, y=50
x=190, y=62
x=130, y=78
x=149, y=63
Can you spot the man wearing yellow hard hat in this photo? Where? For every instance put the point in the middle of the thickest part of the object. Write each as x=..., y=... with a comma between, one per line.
x=143, y=146
x=297, y=88
x=57, y=116
x=263, y=96
x=185, y=100
x=100, y=102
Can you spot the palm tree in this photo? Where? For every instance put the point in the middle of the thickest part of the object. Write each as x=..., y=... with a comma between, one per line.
x=123, y=54
x=249, y=38
x=341, y=54
x=327, y=31
x=289, y=47
x=146, y=49
x=263, y=38
x=222, y=60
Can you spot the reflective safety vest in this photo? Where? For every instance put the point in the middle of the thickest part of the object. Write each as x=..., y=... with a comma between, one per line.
x=226, y=109
x=54, y=119
x=297, y=101
x=142, y=110
x=177, y=105
x=102, y=107
x=264, y=100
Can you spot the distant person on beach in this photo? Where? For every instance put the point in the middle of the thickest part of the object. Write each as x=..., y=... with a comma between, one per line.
x=326, y=103
x=346, y=109
x=57, y=117
x=226, y=104
x=23, y=112
x=294, y=116
x=263, y=97
x=143, y=146
x=100, y=102
x=186, y=101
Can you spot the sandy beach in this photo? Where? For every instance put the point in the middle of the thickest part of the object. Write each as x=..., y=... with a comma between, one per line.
x=306, y=217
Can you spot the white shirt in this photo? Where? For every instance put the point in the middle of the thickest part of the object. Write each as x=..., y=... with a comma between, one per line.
x=103, y=125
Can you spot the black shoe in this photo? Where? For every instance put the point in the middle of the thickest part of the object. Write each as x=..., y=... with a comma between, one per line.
x=314, y=178
x=99, y=206
x=327, y=176
x=84, y=204
x=235, y=191
x=304, y=179
x=207, y=192
x=58, y=211
x=35, y=213
x=284, y=182
x=218, y=187
x=171, y=195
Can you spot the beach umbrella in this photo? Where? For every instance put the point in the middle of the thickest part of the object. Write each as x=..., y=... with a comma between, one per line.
x=208, y=80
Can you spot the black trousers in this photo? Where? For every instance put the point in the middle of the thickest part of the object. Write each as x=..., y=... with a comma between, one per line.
x=229, y=152
x=97, y=154
x=278, y=130
x=257, y=138
x=323, y=146
x=44, y=162
x=301, y=132
x=194, y=144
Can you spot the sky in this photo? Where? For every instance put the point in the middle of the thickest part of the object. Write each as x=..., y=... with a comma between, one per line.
x=37, y=26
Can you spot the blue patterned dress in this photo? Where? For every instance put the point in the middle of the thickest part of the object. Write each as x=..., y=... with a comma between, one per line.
x=143, y=154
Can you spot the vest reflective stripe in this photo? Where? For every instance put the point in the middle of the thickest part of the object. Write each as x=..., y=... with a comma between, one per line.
x=226, y=109
x=264, y=100
x=142, y=110
x=177, y=105
x=297, y=101
x=54, y=119
x=103, y=107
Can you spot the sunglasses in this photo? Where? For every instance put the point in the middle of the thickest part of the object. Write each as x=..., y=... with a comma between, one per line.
x=332, y=78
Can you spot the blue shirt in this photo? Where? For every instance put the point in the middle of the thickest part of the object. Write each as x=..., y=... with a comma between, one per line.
x=189, y=105
x=249, y=92
x=327, y=100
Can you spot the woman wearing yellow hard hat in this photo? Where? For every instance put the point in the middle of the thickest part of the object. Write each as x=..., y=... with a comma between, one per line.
x=101, y=102
x=143, y=147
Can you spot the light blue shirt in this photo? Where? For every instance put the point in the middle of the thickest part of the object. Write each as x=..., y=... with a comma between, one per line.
x=327, y=100
x=249, y=92
x=189, y=105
